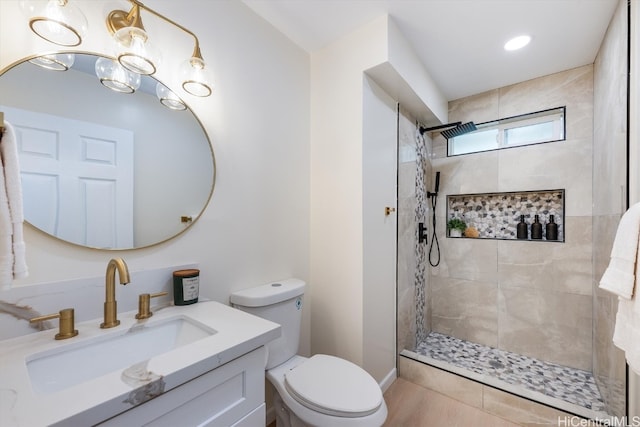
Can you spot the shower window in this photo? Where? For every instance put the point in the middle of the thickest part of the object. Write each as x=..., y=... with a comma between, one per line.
x=533, y=128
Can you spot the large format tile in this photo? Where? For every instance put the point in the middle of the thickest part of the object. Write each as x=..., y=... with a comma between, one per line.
x=483, y=107
x=551, y=326
x=558, y=267
x=551, y=166
x=465, y=309
x=467, y=174
x=572, y=88
x=443, y=382
x=467, y=259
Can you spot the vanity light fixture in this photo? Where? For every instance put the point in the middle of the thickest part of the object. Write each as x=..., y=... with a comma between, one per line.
x=134, y=50
x=168, y=98
x=115, y=76
x=55, y=62
x=517, y=43
x=136, y=54
x=58, y=22
x=62, y=23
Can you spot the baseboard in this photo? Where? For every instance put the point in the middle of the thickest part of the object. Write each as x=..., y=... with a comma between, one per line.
x=388, y=379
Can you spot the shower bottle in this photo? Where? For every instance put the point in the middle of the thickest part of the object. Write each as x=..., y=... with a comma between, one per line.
x=536, y=229
x=552, y=229
x=521, y=229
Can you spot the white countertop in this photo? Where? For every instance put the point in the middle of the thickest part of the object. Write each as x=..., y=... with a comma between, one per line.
x=98, y=399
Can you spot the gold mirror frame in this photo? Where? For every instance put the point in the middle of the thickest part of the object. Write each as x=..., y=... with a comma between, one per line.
x=186, y=220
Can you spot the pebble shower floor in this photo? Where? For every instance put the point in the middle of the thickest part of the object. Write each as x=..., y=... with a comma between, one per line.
x=568, y=384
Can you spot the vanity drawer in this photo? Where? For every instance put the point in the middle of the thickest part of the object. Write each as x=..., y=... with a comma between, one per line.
x=218, y=398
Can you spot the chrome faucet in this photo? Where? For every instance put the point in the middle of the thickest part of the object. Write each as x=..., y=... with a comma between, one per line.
x=110, y=304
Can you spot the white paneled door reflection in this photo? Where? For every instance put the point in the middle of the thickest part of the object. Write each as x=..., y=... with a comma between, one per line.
x=77, y=178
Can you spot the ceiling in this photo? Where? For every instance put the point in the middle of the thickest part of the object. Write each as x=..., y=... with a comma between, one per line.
x=460, y=42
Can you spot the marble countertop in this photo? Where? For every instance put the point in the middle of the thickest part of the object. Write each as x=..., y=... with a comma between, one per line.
x=93, y=401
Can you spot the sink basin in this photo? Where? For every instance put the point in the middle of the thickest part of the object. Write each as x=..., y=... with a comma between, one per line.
x=77, y=362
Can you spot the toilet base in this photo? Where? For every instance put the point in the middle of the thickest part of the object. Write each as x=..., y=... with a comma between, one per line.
x=284, y=416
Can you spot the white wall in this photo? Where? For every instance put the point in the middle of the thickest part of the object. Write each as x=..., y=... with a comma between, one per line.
x=336, y=188
x=380, y=172
x=346, y=293
x=256, y=228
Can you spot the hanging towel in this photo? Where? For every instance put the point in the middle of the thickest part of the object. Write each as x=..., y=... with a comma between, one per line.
x=12, y=247
x=620, y=278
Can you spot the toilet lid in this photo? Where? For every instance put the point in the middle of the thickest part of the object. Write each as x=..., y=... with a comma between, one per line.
x=334, y=386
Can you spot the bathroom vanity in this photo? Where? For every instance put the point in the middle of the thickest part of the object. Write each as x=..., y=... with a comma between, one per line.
x=201, y=364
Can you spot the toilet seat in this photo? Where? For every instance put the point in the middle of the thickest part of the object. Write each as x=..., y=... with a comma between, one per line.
x=334, y=386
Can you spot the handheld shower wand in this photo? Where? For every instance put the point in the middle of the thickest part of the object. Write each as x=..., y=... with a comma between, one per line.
x=436, y=187
x=434, y=238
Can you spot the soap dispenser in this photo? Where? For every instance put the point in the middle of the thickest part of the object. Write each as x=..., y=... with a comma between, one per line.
x=536, y=229
x=521, y=229
x=552, y=229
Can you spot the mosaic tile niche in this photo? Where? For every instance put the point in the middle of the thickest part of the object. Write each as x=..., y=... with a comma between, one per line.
x=496, y=215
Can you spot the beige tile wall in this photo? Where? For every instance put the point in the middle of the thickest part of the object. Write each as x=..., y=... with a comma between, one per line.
x=533, y=298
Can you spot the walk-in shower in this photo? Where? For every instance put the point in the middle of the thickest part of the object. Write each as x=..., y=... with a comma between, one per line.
x=449, y=329
x=524, y=321
x=521, y=317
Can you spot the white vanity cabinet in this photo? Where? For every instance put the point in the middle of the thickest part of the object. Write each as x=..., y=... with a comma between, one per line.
x=231, y=395
x=203, y=362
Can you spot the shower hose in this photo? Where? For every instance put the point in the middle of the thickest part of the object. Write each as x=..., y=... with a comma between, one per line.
x=434, y=237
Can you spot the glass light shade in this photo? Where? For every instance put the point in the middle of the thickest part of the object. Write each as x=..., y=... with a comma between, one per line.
x=168, y=98
x=55, y=62
x=517, y=43
x=58, y=22
x=195, y=77
x=135, y=52
x=116, y=77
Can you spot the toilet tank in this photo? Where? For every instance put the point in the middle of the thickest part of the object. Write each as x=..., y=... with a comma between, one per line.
x=280, y=302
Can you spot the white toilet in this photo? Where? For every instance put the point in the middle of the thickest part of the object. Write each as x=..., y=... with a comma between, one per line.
x=322, y=390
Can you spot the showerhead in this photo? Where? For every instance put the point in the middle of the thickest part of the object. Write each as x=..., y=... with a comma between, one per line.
x=459, y=130
x=451, y=129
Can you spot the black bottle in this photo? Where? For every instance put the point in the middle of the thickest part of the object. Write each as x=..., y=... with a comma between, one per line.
x=521, y=230
x=536, y=229
x=552, y=229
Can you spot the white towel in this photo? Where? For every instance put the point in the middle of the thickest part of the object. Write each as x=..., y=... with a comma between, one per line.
x=626, y=335
x=620, y=278
x=6, y=231
x=12, y=247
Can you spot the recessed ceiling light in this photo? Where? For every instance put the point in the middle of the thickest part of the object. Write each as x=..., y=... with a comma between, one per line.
x=517, y=43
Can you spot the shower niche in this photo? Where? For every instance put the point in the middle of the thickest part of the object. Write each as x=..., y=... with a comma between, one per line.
x=496, y=215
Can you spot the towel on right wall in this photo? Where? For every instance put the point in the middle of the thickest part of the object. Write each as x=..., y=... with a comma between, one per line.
x=620, y=278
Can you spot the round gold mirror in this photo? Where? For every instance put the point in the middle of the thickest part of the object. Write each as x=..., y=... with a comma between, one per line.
x=103, y=169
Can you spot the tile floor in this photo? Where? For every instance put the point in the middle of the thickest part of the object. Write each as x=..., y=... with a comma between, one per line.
x=568, y=384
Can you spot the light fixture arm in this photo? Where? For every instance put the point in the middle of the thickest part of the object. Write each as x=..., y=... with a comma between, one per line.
x=118, y=19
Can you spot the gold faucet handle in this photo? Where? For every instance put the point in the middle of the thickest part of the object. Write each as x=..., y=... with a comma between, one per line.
x=66, y=324
x=144, y=304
